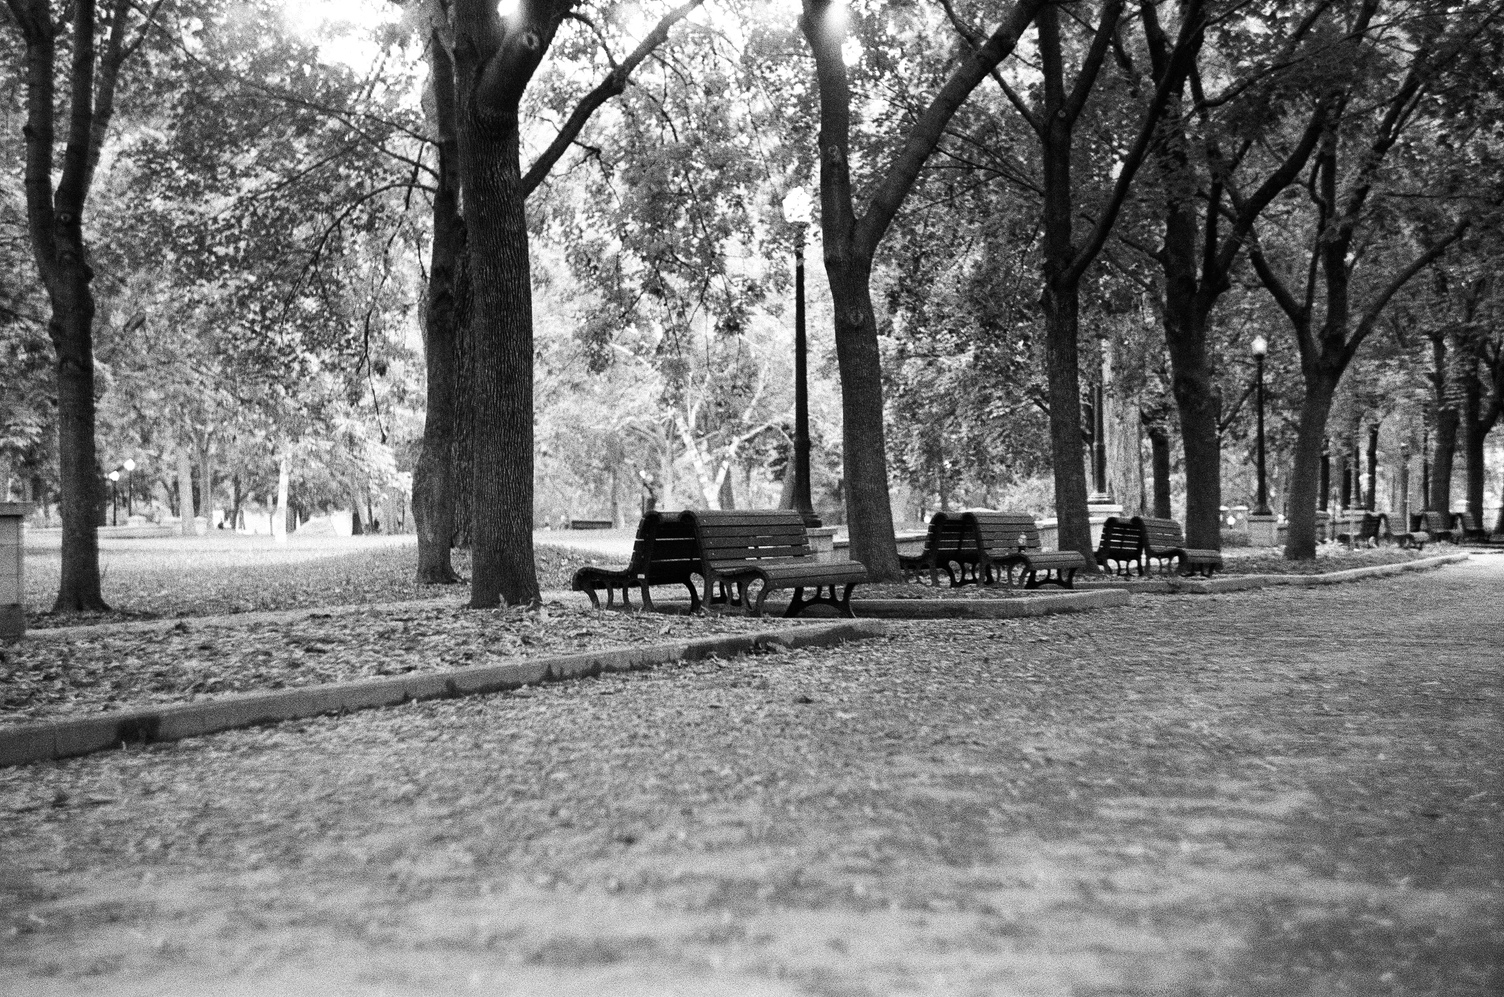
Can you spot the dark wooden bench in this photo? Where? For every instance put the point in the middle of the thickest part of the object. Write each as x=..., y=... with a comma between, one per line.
x=1373, y=529
x=591, y=524
x=744, y=547
x=1466, y=529
x=1010, y=548
x=664, y=553
x=1122, y=543
x=1432, y=524
x=944, y=545
x=1165, y=541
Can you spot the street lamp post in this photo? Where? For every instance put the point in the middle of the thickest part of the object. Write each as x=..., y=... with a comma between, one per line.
x=797, y=207
x=1260, y=347
x=114, y=499
x=130, y=469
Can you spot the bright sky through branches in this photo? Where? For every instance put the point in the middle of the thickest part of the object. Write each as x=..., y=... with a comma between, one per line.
x=342, y=29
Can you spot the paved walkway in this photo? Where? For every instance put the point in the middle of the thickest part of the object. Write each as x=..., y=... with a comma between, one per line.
x=1277, y=792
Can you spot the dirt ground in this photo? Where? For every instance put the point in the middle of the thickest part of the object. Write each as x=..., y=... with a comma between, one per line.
x=1277, y=792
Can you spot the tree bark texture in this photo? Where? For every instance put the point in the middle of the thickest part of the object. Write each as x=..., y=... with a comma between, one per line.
x=869, y=512
x=494, y=61
x=1159, y=450
x=433, y=477
x=1305, y=472
x=54, y=218
x=1443, y=458
x=185, y=494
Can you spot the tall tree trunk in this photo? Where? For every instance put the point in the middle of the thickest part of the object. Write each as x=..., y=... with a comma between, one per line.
x=279, y=511
x=864, y=449
x=1125, y=457
x=1474, y=432
x=71, y=329
x=185, y=494
x=502, y=565
x=1159, y=446
x=206, y=485
x=1305, y=472
x=1448, y=421
x=433, y=477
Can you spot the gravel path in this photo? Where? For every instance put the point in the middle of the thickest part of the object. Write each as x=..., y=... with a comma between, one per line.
x=1278, y=792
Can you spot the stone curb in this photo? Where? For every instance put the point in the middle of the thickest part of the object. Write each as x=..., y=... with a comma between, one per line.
x=97, y=732
x=990, y=609
x=1215, y=585
x=1240, y=583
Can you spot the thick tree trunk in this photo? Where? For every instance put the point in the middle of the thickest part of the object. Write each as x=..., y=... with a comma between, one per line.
x=1062, y=367
x=206, y=486
x=1159, y=446
x=503, y=569
x=185, y=494
x=869, y=511
x=1448, y=421
x=1305, y=472
x=1474, y=432
x=1125, y=455
x=72, y=337
x=433, y=477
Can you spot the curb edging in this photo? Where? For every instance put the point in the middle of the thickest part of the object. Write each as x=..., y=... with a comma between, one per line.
x=69, y=738
x=991, y=609
x=1216, y=585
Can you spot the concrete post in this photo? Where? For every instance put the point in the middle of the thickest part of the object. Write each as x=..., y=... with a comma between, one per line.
x=12, y=562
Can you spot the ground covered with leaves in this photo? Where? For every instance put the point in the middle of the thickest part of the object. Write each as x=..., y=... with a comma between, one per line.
x=1284, y=791
x=102, y=668
x=170, y=577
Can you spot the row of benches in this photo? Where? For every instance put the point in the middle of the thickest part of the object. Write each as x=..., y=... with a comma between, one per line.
x=730, y=552
x=990, y=547
x=1424, y=528
x=733, y=552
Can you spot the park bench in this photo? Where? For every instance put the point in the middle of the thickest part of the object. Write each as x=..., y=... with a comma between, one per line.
x=1427, y=526
x=1373, y=529
x=1466, y=529
x=591, y=524
x=664, y=553
x=1143, y=539
x=944, y=546
x=1122, y=543
x=743, y=547
x=1164, y=541
x=1009, y=547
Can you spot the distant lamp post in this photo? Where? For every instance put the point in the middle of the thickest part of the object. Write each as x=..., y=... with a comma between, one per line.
x=114, y=499
x=130, y=470
x=1260, y=347
x=797, y=208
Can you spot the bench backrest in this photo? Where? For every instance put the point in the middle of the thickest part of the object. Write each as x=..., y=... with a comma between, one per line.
x=1374, y=525
x=1159, y=534
x=1120, y=536
x=946, y=535
x=1003, y=533
x=1435, y=521
x=665, y=548
x=1464, y=521
x=751, y=534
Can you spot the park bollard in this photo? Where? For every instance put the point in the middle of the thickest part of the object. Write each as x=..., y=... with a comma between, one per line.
x=12, y=591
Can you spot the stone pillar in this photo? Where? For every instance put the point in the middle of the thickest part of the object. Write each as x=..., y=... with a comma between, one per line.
x=12, y=561
x=822, y=542
x=1263, y=530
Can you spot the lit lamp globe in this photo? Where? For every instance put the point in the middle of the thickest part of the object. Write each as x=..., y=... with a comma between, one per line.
x=798, y=207
x=1260, y=346
x=129, y=465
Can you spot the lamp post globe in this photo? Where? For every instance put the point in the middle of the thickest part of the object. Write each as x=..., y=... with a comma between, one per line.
x=130, y=468
x=797, y=211
x=1261, y=502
